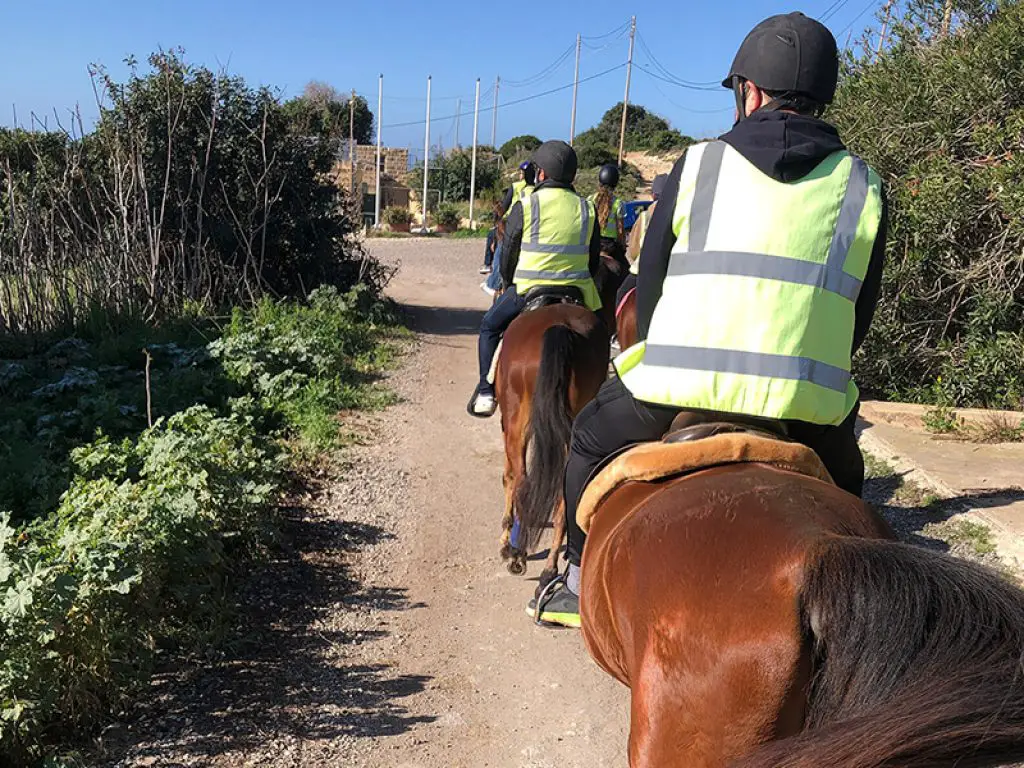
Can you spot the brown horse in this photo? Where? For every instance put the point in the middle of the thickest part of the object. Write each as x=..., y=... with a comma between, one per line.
x=763, y=618
x=552, y=362
x=625, y=320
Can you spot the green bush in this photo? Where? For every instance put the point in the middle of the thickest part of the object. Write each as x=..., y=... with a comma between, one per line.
x=396, y=215
x=447, y=215
x=517, y=145
x=941, y=120
x=139, y=553
x=193, y=190
x=645, y=131
x=451, y=174
x=591, y=152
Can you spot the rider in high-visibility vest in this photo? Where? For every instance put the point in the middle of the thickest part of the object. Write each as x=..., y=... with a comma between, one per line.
x=521, y=188
x=611, y=213
x=758, y=280
x=550, y=239
x=636, y=235
x=517, y=191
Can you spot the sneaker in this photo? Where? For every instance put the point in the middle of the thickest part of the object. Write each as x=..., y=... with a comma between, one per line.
x=485, y=270
x=483, y=406
x=487, y=289
x=560, y=607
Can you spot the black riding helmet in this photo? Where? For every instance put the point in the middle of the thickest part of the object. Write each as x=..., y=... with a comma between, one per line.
x=789, y=54
x=608, y=175
x=558, y=161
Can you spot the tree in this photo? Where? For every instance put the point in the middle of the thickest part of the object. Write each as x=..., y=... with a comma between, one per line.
x=645, y=131
x=514, y=146
x=940, y=118
x=323, y=110
x=194, y=188
x=450, y=174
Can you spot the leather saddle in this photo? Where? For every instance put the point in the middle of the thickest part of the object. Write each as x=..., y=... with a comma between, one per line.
x=696, y=446
x=545, y=295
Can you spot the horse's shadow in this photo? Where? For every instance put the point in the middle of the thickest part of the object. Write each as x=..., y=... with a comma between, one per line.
x=910, y=513
x=291, y=671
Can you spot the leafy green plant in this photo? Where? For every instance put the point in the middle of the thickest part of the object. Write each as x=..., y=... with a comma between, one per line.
x=152, y=526
x=940, y=117
x=447, y=215
x=396, y=216
x=518, y=145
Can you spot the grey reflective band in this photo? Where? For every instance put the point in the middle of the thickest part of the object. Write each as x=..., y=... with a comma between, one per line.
x=549, y=274
x=762, y=265
x=572, y=250
x=584, y=221
x=704, y=194
x=829, y=276
x=534, y=218
x=749, y=364
x=849, y=214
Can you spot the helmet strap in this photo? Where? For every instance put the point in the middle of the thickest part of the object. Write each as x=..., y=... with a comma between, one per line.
x=741, y=99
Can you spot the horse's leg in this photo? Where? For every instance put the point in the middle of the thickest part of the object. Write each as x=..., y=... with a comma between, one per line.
x=551, y=564
x=509, y=479
x=707, y=707
x=515, y=467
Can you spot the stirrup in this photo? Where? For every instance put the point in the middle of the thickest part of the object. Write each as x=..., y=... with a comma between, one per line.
x=545, y=595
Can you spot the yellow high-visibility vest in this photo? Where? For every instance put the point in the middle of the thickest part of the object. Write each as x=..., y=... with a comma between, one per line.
x=557, y=227
x=757, y=311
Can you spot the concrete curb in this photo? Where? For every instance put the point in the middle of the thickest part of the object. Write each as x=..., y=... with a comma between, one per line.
x=909, y=469
x=1008, y=540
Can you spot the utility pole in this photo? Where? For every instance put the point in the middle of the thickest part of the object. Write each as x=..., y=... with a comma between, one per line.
x=494, y=112
x=351, y=138
x=575, y=89
x=426, y=160
x=380, y=107
x=625, y=101
x=885, y=29
x=472, y=172
x=458, y=119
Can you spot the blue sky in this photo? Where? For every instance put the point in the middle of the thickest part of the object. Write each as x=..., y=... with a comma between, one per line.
x=48, y=45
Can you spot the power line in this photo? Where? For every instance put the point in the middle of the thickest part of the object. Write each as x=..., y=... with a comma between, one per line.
x=620, y=30
x=669, y=75
x=676, y=83
x=677, y=105
x=834, y=10
x=856, y=18
x=545, y=73
x=517, y=101
x=824, y=14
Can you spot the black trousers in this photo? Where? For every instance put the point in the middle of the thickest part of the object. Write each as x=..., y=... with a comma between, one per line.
x=615, y=419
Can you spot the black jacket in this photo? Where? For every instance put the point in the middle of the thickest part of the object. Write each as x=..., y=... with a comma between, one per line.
x=514, y=237
x=786, y=147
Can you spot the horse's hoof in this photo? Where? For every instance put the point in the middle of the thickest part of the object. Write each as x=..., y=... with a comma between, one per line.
x=517, y=565
x=546, y=577
x=507, y=552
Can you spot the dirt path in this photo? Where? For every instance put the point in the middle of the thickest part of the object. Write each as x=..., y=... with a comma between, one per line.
x=392, y=635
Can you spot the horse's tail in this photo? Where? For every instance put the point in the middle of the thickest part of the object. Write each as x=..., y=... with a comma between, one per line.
x=547, y=434
x=918, y=661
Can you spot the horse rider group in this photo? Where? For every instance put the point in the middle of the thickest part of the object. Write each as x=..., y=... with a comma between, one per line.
x=757, y=279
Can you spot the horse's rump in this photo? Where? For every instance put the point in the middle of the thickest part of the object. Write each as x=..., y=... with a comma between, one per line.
x=678, y=561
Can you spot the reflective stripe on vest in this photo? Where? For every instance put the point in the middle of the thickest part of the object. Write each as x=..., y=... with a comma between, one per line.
x=757, y=317
x=520, y=191
x=557, y=228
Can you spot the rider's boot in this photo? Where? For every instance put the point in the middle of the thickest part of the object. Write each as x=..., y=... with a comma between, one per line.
x=482, y=404
x=561, y=604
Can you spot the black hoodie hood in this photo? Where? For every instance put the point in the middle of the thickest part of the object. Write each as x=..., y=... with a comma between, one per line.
x=784, y=145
